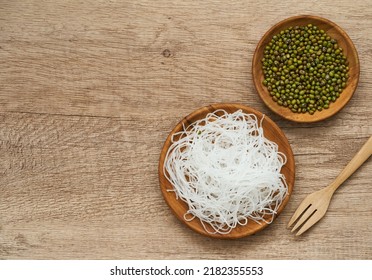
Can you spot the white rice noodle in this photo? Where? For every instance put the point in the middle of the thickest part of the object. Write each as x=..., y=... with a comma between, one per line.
x=227, y=172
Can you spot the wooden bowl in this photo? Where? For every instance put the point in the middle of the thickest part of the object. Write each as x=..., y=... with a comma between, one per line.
x=343, y=41
x=271, y=132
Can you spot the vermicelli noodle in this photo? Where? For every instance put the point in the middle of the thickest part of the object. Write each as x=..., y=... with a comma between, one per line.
x=227, y=172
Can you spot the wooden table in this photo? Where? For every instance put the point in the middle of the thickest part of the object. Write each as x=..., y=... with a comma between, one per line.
x=89, y=90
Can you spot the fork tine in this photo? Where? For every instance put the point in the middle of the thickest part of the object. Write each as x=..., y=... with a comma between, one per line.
x=300, y=209
x=307, y=213
x=309, y=223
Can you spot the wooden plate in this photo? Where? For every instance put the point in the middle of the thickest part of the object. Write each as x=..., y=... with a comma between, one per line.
x=343, y=41
x=271, y=132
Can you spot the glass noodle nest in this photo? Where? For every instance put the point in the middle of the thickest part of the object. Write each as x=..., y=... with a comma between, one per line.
x=226, y=171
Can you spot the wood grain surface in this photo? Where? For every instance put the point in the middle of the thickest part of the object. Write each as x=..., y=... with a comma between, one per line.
x=89, y=91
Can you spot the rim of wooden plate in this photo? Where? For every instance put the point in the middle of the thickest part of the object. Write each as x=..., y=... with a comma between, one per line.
x=343, y=40
x=271, y=132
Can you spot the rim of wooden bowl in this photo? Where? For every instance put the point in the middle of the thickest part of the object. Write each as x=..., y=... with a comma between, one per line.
x=343, y=40
x=271, y=131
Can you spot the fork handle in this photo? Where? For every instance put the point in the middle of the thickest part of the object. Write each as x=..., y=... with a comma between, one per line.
x=364, y=153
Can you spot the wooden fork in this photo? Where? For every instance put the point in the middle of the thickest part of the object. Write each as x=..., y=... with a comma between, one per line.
x=315, y=205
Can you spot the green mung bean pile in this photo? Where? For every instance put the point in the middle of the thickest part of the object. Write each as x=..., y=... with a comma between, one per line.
x=304, y=69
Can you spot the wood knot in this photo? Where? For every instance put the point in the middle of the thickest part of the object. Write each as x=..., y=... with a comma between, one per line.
x=167, y=53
